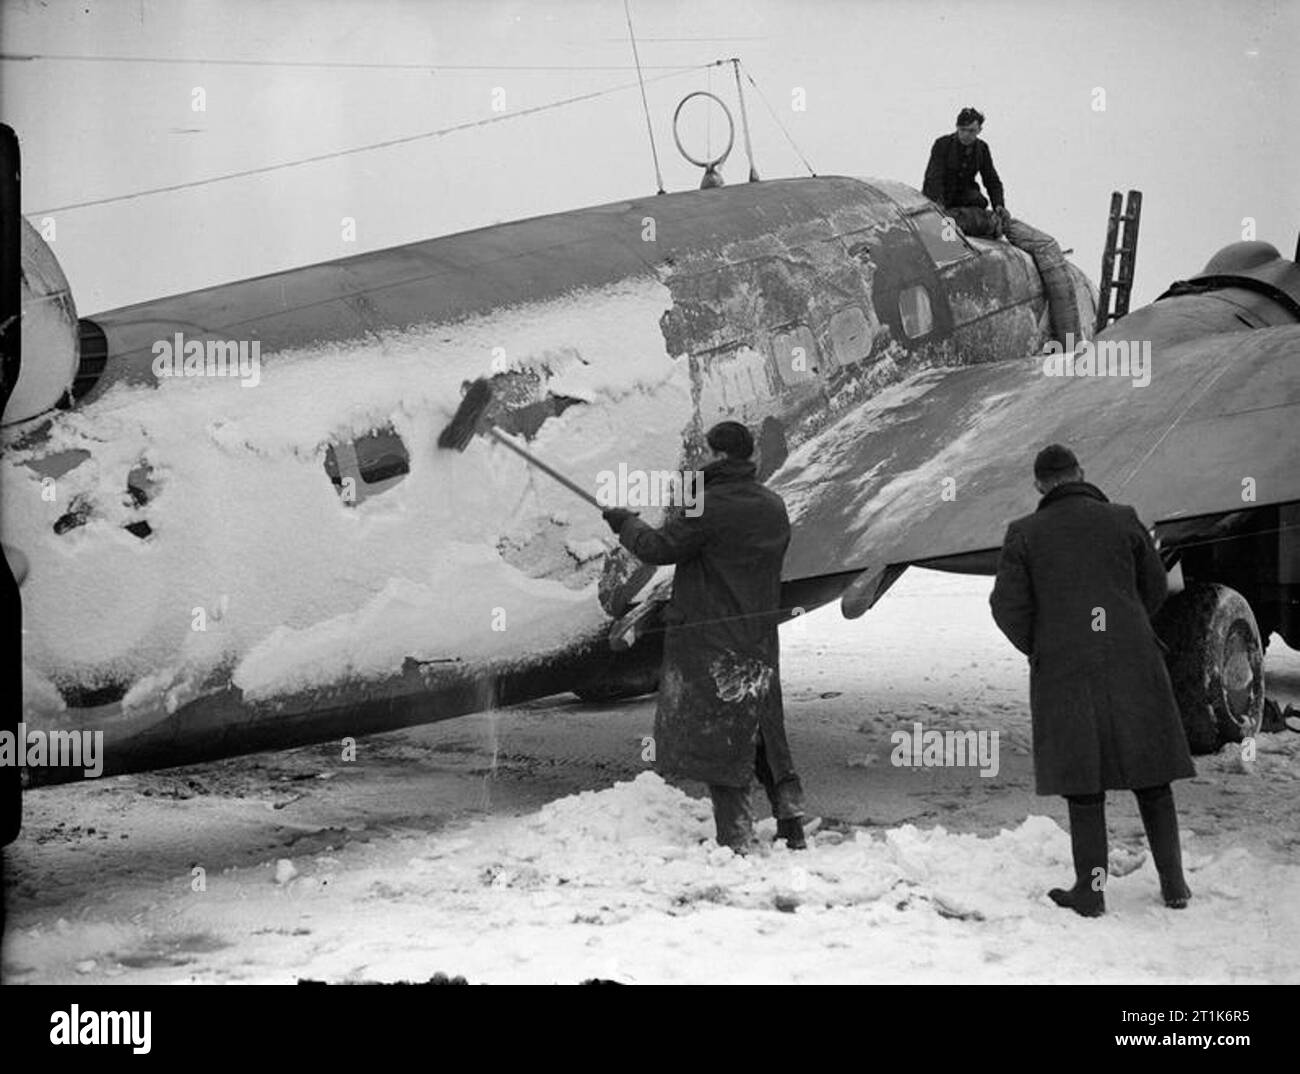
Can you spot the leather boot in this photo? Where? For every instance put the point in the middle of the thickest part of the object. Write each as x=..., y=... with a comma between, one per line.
x=1088, y=843
x=791, y=830
x=1160, y=819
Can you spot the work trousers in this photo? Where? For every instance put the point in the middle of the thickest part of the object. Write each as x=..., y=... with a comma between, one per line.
x=733, y=814
x=974, y=219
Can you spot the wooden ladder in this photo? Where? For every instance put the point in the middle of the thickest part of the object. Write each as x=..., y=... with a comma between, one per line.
x=1118, y=287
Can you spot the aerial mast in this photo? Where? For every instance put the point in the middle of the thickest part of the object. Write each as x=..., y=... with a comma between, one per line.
x=744, y=120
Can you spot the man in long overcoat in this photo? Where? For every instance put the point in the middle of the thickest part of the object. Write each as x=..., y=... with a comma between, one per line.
x=719, y=717
x=1078, y=582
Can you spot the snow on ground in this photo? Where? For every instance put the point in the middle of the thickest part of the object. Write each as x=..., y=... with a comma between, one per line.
x=533, y=845
x=626, y=883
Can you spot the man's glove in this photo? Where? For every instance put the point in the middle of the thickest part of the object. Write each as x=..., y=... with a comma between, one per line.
x=1002, y=211
x=616, y=517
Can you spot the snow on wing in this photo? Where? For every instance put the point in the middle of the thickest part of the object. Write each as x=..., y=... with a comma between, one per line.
x=938, y=465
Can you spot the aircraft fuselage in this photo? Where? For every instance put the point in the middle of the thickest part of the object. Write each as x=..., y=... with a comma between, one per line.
x=224, y=562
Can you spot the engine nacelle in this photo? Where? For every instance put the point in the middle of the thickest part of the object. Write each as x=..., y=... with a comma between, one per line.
x=50, y=354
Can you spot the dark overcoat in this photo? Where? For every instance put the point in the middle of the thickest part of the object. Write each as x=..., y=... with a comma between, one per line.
x=721, y=677
x=1078, y=582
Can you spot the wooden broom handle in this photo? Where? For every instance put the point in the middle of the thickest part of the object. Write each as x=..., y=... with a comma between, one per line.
x=532, y=460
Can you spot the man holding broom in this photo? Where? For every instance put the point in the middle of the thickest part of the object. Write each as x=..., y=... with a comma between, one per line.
x=719, y=717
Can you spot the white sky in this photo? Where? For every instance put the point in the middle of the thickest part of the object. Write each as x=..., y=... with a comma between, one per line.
x=1200, y=99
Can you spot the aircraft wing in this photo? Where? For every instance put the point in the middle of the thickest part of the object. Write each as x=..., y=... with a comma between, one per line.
x=938, y=464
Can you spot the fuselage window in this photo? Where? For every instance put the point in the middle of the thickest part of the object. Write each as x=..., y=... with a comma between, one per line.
x=381, y=455
x=732, y=381
x=367, y=465
x=795, y=352
x=140, y=488
x=914, y=309
x=850, y=336
x=942, y=238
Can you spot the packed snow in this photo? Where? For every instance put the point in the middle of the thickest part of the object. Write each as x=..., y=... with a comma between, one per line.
x=535, y=845
x=293, y=588
x=627, y=884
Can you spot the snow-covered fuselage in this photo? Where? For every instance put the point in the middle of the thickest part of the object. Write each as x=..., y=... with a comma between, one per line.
x=241, y=533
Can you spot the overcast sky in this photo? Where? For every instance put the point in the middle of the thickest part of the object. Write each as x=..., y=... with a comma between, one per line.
x=1200, y=103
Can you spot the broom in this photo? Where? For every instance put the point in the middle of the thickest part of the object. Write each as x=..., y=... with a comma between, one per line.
x=616, y=592
x=468, y=420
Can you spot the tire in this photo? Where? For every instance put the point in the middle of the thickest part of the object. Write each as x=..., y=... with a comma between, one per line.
x=1216, y=664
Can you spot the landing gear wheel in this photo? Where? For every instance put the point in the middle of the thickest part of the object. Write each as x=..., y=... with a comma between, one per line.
x=1216, y=663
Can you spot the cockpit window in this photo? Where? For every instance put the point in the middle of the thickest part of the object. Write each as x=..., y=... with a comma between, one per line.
x=367, y=465
x=914, y=311
x=942, y=237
